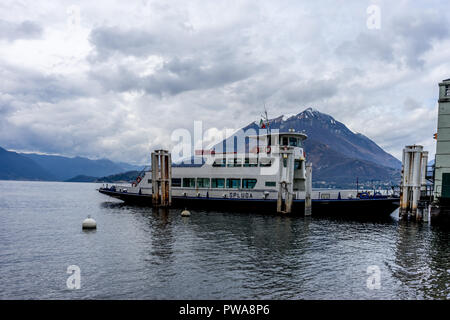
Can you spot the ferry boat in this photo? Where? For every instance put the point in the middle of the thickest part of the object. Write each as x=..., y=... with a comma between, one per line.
x=270, y=177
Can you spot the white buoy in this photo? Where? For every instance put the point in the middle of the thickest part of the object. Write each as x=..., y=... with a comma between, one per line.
x=89, y=223
x=185, y=213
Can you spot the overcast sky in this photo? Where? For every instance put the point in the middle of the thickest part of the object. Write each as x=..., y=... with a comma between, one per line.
x=113, y=79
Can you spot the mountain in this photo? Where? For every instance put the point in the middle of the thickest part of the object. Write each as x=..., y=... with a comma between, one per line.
x=334, y=169
x=339, y=156
x=31, y=166
x=14, y=166
x=82, y=178
x=64, y=168
x=325, y=129
x=125, y=176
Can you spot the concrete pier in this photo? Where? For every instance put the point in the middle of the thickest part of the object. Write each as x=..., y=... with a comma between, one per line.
x=412, y=169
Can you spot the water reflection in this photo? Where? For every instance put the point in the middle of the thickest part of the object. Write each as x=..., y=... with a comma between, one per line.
x=162, y=239
x=273, y=256
x=422, y=261
x=410, y=264
x=140, y=253
x=232, y=255
x=438, y=286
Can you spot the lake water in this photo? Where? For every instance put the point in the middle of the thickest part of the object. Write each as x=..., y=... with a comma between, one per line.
x=138, y=253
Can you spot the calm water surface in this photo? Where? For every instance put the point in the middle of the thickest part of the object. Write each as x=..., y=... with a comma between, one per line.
x=138, y=253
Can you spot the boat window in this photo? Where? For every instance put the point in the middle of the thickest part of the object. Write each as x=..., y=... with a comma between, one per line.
x=292, y=141
x=188, y=182
x=217, y=183
x=202, y=182
x=271, y=183
x=265, y=162
x=251, y=162
x=233, y=183
x=234, y=162
x=297, y=164
x=248, y=183
x=176, y=182
x=219, y=163
x=284, y=141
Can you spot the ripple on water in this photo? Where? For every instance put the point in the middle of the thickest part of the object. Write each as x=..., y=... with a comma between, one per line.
x=140, y=253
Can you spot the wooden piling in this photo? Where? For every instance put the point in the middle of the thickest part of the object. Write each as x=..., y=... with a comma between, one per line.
x=161, y=178
x=308, y=203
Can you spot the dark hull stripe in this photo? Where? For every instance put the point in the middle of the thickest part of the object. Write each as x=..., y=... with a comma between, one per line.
x=360, y=207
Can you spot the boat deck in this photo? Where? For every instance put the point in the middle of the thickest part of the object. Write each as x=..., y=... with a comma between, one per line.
x=378, y=206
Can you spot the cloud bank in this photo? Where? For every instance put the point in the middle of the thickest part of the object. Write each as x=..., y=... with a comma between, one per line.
x=114, y=79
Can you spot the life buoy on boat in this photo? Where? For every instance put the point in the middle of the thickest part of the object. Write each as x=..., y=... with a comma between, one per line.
x=364, y=195
x=268, y=149
x=138, y=180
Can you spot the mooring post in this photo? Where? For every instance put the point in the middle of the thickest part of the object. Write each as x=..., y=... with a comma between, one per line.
x=161, y=178
x=417, y=166
x=286, y=173
x=280, y=198
x=404, y=183
x=169, y=177
x=413, y=169
x=166, y=178
x=308, y=189
x=288, y=203
x=424, y=172
x=155, y=187
x=162, y=159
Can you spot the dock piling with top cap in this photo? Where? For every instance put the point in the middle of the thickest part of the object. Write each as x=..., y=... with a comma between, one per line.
x=412, y=180
x=285, y=190
x=308, y=189
x=423, y=187
x=161, y=178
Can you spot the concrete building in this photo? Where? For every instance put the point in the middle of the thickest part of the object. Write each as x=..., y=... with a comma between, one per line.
x=442, y=162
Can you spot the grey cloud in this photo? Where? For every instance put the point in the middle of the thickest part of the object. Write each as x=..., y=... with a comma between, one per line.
x=310, y=90
x=34, y=86
x=188, y=74
x=367, y=46
x=71, y=127
x=192, y=60
x=417, y=33
x=403, y=41
x=24, y=30
x=168, y=39
x=180, y=75
x=220, y=63
x=108, y=40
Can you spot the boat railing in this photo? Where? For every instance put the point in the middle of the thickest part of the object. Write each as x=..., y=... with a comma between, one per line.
x=144, y=170
x=116, y=187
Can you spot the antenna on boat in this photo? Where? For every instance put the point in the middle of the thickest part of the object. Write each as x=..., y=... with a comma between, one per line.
x=265, y=120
